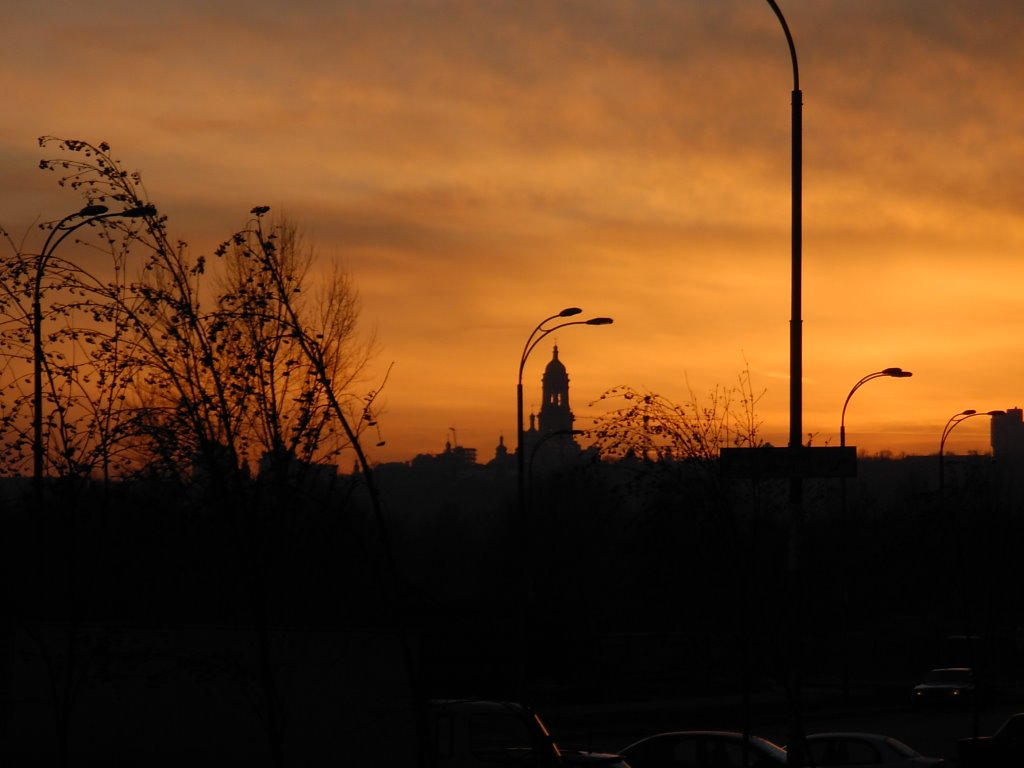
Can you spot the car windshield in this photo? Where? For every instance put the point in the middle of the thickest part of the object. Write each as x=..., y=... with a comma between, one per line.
x=1013, y=728
x=772, y=749
x=901, y=748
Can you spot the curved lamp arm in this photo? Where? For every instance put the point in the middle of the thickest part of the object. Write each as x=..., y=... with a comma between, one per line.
x=896, y=373
x=957, y=418
x=89, y=214
x=789, y=40
x=567, y=312
x=533, y=342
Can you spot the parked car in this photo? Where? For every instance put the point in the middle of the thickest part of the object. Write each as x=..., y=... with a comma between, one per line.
x=478, y=733
x=861, y=750
x=704, y=749
x=949, y=685
x=593, y=759
x=1002, y=748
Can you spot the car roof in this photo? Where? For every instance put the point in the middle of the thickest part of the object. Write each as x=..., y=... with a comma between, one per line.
x=476, y=705
x=703, y=732
x=728, y=734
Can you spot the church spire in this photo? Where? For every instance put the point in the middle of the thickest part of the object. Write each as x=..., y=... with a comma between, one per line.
x=555, y=414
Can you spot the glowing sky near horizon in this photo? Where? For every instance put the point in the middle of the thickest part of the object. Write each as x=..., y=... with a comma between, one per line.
x=480, y=164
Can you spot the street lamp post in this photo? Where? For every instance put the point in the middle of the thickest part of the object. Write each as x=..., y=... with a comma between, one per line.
x=532, y=340
x=795, y=755
x=954, y=420
x=965, y=554
x=796, y=321
x=89, y=214
x=895, y=373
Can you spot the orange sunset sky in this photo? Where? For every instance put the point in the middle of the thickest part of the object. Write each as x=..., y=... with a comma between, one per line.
x=480, y=164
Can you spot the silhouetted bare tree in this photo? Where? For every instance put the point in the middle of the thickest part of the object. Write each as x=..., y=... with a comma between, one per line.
x=179, y=374
x=252, y=361
x=652, y=427
x=293, y=350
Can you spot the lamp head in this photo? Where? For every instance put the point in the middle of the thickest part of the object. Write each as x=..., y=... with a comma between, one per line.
x=139, y=212
x=995, y=413
x=968, y=412
x=897, y=373
x=600, y=321
x=93, y=210
x=569, y=312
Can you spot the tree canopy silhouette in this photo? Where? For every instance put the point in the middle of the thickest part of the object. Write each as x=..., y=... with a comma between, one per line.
x=158, y=361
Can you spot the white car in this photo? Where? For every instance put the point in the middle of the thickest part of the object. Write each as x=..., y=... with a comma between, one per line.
x=704, y=749
x=864, y=750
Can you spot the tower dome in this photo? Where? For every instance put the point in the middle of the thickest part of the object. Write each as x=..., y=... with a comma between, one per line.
x=555, y=367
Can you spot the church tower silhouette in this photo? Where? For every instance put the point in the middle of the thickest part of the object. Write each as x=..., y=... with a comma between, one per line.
x=550, y=438
x=555, y=415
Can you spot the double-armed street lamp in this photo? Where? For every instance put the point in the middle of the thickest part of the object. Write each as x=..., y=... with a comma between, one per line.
x=538, y=333
x=58, y=233
x=532, y=340
x=954, y=420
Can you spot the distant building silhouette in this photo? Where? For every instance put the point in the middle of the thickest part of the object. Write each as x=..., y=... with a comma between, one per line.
x=1008, y=435
x=281, y=465
x=454, y=457
x=1008, y=453
x=503, y=460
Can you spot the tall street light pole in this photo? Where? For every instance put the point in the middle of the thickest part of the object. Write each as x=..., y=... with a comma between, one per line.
x=795, y=754
x=58, y=233
x=895, y=373
x=796, y=321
